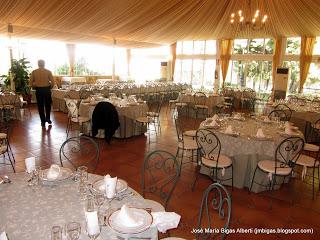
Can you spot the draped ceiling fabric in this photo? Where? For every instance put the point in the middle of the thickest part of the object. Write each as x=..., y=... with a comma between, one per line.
x=307, y=44
x=145, y=23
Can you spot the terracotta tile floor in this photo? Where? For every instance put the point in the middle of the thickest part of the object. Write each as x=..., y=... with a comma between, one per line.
x=294, y=209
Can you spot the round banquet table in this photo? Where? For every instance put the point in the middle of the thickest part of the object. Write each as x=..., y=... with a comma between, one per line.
x=29, y=213
x=127, y=114
x=246, y=150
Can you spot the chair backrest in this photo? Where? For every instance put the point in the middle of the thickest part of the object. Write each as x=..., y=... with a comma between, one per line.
x=8, y=99
x=209, y=144
x=85, y=93
x=199, y=98
x=80, y=151
x=312, y=132
x=288, y=152
x=286, y=108
x=72, y=106
x=216, y=206
x=160, y=174
x=281, y=114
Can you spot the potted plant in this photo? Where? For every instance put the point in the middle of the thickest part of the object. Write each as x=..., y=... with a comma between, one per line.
x=19, y=73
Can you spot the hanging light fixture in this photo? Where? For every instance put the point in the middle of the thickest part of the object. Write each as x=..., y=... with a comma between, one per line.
x=245, y=19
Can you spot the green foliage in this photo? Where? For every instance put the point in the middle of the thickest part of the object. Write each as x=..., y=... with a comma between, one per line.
x=19, y=72
x=62, y=69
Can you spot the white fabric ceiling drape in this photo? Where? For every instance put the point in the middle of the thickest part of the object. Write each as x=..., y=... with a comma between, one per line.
x=145, y=23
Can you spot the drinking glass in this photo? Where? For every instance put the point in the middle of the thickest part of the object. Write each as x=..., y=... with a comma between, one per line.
x=91, y=235
x=90, y=206
x=82, y=190
x=99, y=199
x=73, y=230
x=56, y=233
x=83, y=173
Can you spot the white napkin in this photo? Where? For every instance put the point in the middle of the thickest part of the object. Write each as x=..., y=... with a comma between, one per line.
x=127, y=217
x=260, y=133
x=287, y=124
x=229, y=130
x=213, y=123
x=55, y=86
x=110, y=185
x=53, y=172
x=93, y=227
x=288, y=131
x=30, y=164
x=215, y=117
x=266, y=119
x=165, y=220
x=3, y=236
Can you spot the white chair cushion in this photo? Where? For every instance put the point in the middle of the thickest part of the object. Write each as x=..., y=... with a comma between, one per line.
x=80, y=119
x=190, y=133
x=144, y=120
x=188, y=144
x=201, y=106
x=269, y=166
x=305, y=160
x=223, y=161
x=181, y=104
x=3, y=135
x=311, y=147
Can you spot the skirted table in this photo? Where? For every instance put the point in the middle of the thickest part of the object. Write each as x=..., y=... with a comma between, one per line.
x=29, y=213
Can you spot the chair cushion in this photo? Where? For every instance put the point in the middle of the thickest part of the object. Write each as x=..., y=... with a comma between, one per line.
x=80, y=119
x=190, y=133
x=3, y=149
x=269, y=166
x=305, y=160
x=188, y=144
x=181, y=104
x=223, y=161
x=144, y=120
x=3, y=135
x=152, y=114
x=201, y=106
x=311, y=147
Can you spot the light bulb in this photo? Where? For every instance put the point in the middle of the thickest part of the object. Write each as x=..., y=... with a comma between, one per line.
x=253, y=20
x=240, y=12
x=232, y=21
x=257, y=14
x=241, y=19
x=232, y=15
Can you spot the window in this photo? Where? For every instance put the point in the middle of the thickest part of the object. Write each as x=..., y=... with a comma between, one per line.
x=253, y=46
x=195, y=63
x=312, y=83
x=5, y=57
x=316, y=48
x=240, y=46
x=293, y=46
x=294, y=75
x=256, y=46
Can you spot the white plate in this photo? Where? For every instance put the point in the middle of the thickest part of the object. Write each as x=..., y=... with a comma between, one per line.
x=118, y=225
x=99, y=186
x=65, y=173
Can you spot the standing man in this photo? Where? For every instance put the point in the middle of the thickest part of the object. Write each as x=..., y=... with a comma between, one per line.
x=41, y=80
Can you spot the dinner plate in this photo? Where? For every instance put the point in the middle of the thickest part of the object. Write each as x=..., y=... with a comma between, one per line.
x=99, y=186
x=65, y=173
x=118, y=224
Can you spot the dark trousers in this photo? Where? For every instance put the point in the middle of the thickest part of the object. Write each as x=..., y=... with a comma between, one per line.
x=43, y=95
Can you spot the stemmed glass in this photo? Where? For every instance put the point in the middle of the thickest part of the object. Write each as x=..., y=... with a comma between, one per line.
x=93, y=234
x=99, y=199
x=73, y=230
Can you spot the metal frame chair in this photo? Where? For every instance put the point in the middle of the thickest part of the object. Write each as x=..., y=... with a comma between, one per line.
x=211, y=157
x=185, y=143
x=199, y=100
x=284, y=107
x=80, y=151
x=285, y=157
x=160, y=174
x=281, y=114
x=5, y=147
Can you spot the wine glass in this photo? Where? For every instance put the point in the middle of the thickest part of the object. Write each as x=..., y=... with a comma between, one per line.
x=56, y=233
x=93, y=233
x=99, y=199
x=73, y=230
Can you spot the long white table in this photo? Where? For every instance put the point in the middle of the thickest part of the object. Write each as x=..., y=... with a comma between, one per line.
x=29, y=214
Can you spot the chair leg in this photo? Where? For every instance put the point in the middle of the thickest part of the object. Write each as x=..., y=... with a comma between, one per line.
x=196, y=177
x=14, y=170
x=254, y=174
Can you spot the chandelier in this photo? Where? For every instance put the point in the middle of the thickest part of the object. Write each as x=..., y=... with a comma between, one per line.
x=245, y=19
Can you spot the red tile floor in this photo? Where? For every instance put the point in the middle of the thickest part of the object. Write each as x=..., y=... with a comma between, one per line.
x=293, y=207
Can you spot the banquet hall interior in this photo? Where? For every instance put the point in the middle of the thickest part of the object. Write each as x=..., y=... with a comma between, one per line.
x=170, y=119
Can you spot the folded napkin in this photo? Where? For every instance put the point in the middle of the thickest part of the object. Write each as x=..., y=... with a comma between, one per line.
x=213, y=123
x=165, y=220
x=266, y=119
x=260, y=133
x=30, y=164
x=92, y=221
x=288, y=131
x=55, y=86
x=127, y=217
x=110, y=185
x=215, y=117
x=229, y=130
x=53, y=172
x=3, y=236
